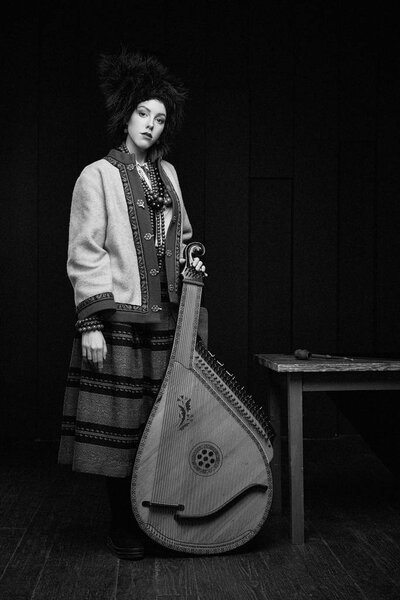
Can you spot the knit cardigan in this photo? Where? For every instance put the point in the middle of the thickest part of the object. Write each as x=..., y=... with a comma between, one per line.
x=112, y=259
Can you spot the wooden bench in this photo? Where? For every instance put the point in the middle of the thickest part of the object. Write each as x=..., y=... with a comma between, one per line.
x=289, y=377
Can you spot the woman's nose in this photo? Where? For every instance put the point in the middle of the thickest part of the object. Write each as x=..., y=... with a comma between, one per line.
x=150, y=124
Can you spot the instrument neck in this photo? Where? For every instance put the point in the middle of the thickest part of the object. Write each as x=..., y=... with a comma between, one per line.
x=188, y=321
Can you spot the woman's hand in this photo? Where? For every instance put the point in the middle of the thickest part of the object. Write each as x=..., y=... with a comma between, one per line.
x=94, y=348
x=199, y=266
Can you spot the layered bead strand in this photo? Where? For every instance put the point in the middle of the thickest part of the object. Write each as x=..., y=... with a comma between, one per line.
x=157, y=200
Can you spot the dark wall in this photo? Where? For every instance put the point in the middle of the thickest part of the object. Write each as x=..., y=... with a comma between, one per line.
x=288, y=160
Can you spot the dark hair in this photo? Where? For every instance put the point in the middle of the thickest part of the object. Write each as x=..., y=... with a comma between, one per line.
x=129, y=78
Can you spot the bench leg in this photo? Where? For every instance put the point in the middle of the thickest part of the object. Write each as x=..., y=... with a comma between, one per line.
x=295, y=439
x=274, y=412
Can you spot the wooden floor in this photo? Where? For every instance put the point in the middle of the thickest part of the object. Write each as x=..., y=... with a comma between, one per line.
x=52, y=524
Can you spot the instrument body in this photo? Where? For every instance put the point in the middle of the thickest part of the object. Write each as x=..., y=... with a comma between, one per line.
x=201, y=481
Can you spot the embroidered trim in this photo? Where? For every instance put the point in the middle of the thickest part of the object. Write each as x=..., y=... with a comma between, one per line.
x=136, y=236
x=94, y=299
x=129, y=307
x=171, y=190
x=178, y=247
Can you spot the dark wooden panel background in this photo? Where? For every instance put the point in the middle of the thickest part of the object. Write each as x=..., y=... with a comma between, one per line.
x=288, y=160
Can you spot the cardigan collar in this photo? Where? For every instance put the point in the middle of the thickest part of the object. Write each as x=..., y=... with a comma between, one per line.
x=126, y=158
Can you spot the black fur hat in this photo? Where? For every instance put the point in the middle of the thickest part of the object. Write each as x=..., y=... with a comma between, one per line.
x=128, y=78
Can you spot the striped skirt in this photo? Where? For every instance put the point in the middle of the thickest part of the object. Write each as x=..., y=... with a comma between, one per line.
x=105, y=412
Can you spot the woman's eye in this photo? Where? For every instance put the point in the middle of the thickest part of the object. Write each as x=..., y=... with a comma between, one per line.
x=160, y=121
x=142, y=114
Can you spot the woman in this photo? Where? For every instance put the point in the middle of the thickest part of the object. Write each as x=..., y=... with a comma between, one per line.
x=128, y=229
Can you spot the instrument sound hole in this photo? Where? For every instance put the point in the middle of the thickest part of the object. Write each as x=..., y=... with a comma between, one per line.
x=205, y=458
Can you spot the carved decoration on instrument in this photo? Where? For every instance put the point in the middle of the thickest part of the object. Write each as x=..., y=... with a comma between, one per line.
x=184, y=412
x=189, y=273
x=205, y=459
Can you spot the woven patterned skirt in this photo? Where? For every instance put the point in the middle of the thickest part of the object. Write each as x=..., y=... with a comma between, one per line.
x=105, y=412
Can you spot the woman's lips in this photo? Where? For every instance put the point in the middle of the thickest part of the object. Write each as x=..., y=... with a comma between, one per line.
x=148, y=136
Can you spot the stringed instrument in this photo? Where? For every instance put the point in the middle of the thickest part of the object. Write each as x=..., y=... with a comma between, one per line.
x=201, y=481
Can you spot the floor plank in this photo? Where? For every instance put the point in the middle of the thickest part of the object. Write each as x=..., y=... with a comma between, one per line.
x=53, y=524
x=169, y=577
x=305, y=572
x=79, y=555
x=363, y=525
x=10, y=538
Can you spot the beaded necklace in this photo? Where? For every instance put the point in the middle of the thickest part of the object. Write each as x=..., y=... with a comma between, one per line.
x=157, y=200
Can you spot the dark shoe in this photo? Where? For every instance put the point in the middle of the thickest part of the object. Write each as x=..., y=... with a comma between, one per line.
x=125, y=543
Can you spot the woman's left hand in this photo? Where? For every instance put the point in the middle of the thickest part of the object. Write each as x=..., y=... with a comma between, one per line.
x=199, y=266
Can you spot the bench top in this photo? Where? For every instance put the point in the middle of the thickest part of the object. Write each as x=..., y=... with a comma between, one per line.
x=287, y=363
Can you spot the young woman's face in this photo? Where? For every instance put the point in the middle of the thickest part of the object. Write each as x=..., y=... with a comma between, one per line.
x=145, y=126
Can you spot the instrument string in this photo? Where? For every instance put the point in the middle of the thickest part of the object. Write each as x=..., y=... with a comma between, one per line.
x=183, y=348
x=187, y=333
x=201, y=411
x=174, y=480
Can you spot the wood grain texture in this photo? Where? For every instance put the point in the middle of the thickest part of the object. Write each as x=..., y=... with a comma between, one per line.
x=226, y=40
x=304, y=571
x=270, y=319
x=273, y=399
x=295, y=440
x=271, y=86
x=388, y=182
x=25, y=566
x=189, y=152
x=358, y=73
x=315, y=184
x=287, y=363
x=352, y=381
x=370, y=524
x=18, y=225
x=352, y=550
x=356, y=249
x=270, y=308
x=10, y=540
x=226, y=226
x=315, y=178
x=58, y=108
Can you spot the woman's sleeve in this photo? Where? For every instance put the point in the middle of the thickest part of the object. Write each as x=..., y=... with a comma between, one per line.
x=88, y=264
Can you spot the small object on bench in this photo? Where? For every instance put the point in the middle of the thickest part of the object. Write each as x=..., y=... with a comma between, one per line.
x=303, y=354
